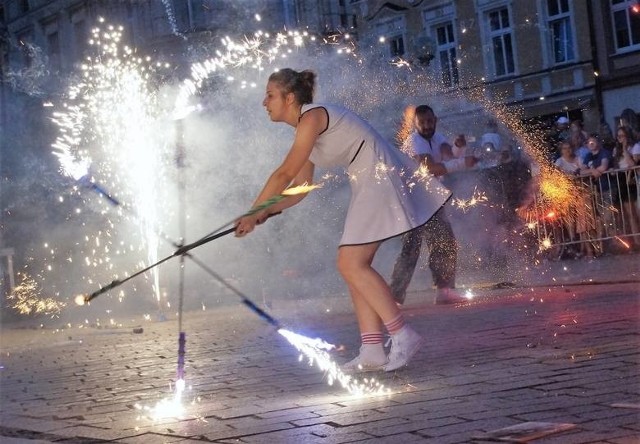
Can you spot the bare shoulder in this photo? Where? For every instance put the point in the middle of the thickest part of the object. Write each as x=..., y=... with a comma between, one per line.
x=315, y=113
x=315, y=118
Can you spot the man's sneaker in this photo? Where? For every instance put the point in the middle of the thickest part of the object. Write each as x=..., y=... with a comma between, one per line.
x=449, y=296
x=404, y=345
x=364, y=363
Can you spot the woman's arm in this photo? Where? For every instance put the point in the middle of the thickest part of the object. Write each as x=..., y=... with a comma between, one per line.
x=295, y=169
x=305, y=176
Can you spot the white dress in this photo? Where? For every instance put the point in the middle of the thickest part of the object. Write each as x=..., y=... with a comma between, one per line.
x=388, y=194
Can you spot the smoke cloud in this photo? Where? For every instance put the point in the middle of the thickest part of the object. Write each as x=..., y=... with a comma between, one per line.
x=231, y=147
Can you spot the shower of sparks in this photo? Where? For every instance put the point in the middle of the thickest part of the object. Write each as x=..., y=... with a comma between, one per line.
x=400, y=62
x=555, y=192
x=253, y=52
x=167, y=408
x=625, y=244
x=406, y=126
x=381, y=170
x=109, y=131
x=26, y=299
x=301, y=189
x=476, y=198
x=171, y=16
x=558, y=190
x=316, y=352
x=546, y=243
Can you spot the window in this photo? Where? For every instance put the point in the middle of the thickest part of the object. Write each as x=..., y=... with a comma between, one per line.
x=446, y=50
x=391, y=33
x=80, y=38
x=53, y=45
x=396, y=46
x=560, y=31
x=626, y=24
x=500, y=34
x=23, y=6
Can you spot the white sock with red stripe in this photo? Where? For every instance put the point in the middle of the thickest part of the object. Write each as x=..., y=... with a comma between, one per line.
x=372, y=350
x=395, y=325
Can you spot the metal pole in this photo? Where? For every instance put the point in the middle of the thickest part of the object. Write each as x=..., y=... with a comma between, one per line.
x=180, y=157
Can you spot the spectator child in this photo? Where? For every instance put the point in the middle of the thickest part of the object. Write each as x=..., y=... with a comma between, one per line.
x=580, y=221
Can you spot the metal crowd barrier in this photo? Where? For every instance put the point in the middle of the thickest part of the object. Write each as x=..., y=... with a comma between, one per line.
x=603, y=216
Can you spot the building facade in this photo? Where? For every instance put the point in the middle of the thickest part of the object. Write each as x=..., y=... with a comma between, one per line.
x=578, y=58
x=616, y=43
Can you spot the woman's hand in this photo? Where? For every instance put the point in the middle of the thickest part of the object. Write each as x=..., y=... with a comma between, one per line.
x=246, y=224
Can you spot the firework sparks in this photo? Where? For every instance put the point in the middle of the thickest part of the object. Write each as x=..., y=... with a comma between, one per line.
x=401, y=63
x=171, y=407
x=476, y=198
x=625, y=244
x=293, y=191
x=406, y=126
x=546, y=243
x=302, y=189
x=558, y=191
x=108, y=132
x=26, y=299
x=316, y=351
x=253, y=52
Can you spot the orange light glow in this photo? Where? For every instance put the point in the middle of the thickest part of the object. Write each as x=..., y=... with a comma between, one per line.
x=626, y=244
x=302, y=189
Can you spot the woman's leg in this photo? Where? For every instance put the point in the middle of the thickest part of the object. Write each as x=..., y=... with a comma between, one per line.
x=372, y=356
x=371, y=296
x=374, y=304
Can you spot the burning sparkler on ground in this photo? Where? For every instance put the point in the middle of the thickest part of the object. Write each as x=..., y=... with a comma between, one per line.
x=25, y=299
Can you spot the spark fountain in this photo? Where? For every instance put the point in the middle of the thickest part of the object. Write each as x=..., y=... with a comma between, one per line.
x=107, y=135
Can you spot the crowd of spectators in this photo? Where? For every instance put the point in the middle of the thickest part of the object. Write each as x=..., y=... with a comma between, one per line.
x=607, y=164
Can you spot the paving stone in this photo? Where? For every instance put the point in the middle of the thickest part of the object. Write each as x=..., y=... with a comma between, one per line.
x=476, y=373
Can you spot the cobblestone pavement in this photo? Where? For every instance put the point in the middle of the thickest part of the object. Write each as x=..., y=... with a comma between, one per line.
x=565, y=354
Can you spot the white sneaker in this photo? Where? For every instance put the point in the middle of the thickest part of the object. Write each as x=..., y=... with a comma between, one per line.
x=404, y=345
x=366, y=361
